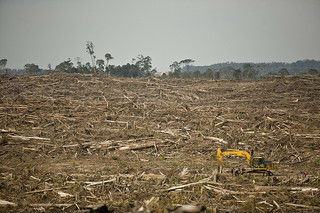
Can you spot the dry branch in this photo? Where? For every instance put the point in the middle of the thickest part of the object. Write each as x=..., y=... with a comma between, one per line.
x=216, y=139
x=28, y=138
x=7, y=130
x=118, y=122
x=46, y=190
x=302, y=206
x=4, y=203
x=100, y=182
x=52, y=205
x=203, y=181
x=137, y=146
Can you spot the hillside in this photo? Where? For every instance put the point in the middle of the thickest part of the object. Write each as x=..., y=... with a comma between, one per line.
x=295, y=68
x=73, y=142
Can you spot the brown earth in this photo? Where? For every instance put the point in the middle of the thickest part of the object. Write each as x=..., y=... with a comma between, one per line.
x=62, y=134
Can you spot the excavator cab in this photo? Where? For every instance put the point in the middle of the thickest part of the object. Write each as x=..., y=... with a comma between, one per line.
x=257, y=162
x=260, y=163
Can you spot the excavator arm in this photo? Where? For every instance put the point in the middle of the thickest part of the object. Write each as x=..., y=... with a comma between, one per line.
x=257, y=164
x=231, y=152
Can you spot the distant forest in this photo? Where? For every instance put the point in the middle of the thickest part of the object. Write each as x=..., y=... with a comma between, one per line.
x=264, y=69
x=141, y=66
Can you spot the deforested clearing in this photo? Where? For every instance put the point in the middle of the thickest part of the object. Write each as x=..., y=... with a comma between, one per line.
x=72, y=142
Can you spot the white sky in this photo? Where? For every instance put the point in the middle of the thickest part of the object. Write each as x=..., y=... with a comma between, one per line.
x=208, y=31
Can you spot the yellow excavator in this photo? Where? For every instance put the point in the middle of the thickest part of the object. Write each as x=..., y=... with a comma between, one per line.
x=257, y=164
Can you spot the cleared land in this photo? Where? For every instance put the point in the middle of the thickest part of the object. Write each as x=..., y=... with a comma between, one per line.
x=73, y=142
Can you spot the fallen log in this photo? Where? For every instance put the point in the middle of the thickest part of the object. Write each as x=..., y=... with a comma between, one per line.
x=302, y=206
x=226, y=191
x=25, y=138
x=137, y=147
x=216, y=139
x=266, y=203
x=7, y=130
x=67, y=205
x=203, y=181
x=100, y=182
x=290, y=189
x=5, y=203
x=46, y=190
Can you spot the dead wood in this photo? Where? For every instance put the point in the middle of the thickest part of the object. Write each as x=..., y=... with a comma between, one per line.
x=100, y=182
x=203, y=181
x=4, y=203
x=302, y=206
x=118, y=122
x=46, y=190
x=46, y=205
x=220, y=140
x=28, y=138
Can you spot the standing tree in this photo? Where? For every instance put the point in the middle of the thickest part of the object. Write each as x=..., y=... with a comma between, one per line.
x=186, y=63
x=90, y=50
x=100, y=63
x=313, y=72
x=144, y=64
x=236, y=74
x=175, y=70
x=32, y=68
x=249, y=71
x=66, y=66
x=3, y=63
x=196, y=74
x=208, y=74
x=217, y=75
x=283, y=72
x=108, y=57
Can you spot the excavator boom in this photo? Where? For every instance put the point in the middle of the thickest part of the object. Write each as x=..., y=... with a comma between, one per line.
x=257, y=164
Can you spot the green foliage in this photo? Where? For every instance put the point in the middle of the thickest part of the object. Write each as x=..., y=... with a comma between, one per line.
x=100, y=64
x=108, y=57
x=283, y=72
x=3, y=63
x=66, y=66
x=163, y=156
x=114, y=157
x=144, y=64
x=236, y=74
x=249, y=72
x=32, y=68
x=295, y=68
x=142, y=67
x=313, y=72
x=209, y=74
x=186, y=63
x=68, y=156
x=27, y=165
x=90, y=50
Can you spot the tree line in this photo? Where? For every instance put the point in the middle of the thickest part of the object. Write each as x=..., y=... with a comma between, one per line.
x=266, y=69
x=141, y=66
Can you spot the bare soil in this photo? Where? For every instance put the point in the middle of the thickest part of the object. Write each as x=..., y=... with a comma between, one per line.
x=70, y=143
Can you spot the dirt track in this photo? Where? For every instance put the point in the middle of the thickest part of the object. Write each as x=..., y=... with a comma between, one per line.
x=63, y=134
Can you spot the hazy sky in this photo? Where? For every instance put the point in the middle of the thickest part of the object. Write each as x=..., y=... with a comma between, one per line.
x=208, y=31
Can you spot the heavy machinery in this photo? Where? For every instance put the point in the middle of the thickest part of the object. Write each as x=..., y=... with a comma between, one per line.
x=257, y=164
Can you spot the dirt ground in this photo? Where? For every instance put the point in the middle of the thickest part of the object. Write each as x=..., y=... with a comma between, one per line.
x=71, y=143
